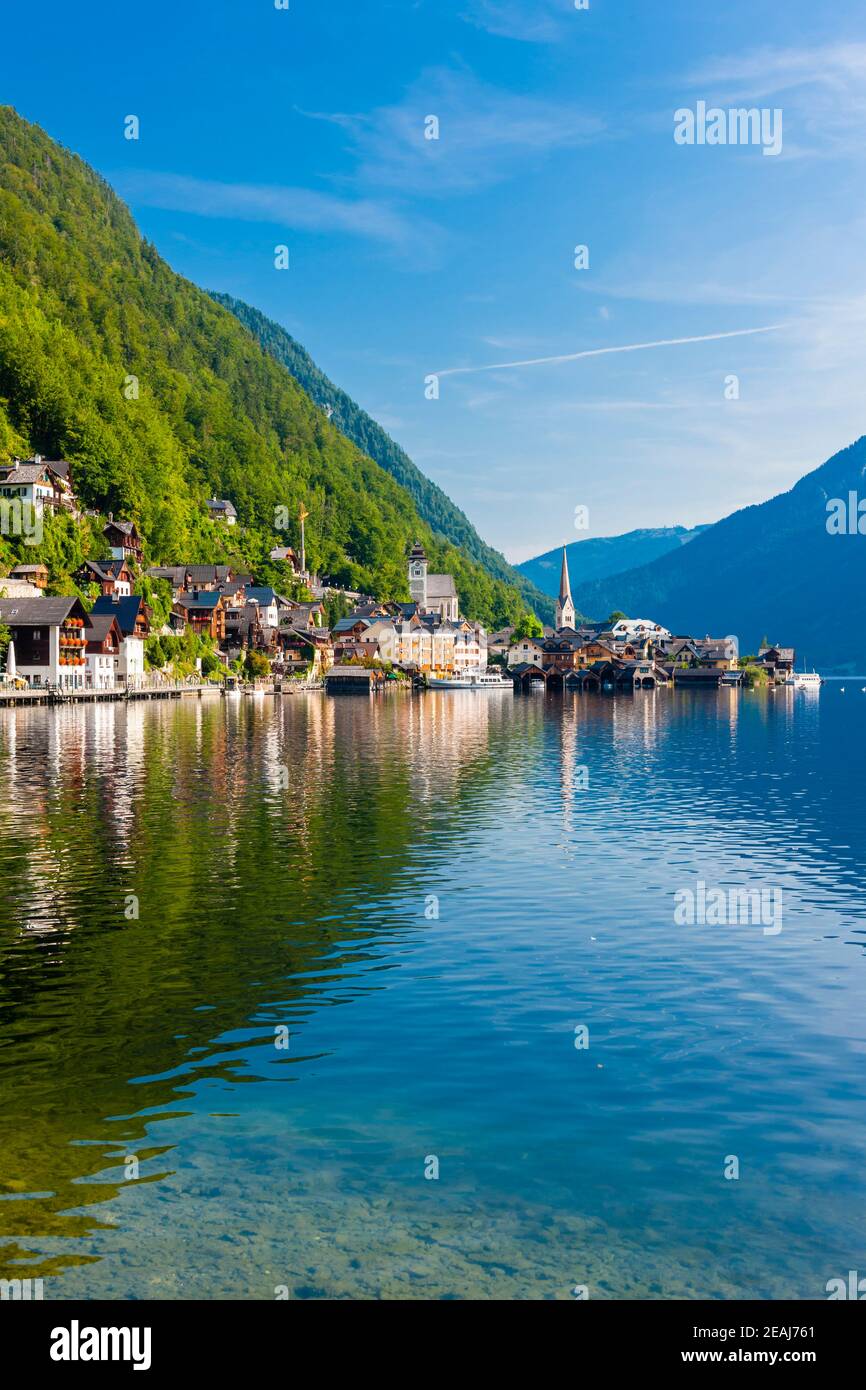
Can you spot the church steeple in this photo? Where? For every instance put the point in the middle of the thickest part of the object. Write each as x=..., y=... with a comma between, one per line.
x=564, y=604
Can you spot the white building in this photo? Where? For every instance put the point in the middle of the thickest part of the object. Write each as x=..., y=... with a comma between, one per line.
x=430, y=646
x=27, y=488
x=50, y=637
x=133, y=619
x=18, y=588
x=630, y=629
x=219, y=509
x=433, y=593
x=527, y=650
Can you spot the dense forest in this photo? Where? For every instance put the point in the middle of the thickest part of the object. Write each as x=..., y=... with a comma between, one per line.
x=437, y=509
x=160, y=399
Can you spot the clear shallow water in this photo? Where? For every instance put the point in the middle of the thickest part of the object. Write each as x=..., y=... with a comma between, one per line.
x=413, y=1035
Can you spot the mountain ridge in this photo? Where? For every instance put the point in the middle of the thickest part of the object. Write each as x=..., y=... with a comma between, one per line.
x=771, y=569
x=602, y=556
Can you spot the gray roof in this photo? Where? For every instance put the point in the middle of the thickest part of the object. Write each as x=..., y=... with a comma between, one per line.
x=58, y=466
x=199, y=574
x=220, y=504
x=25, y=473
x=785, y=653
x=36, y=612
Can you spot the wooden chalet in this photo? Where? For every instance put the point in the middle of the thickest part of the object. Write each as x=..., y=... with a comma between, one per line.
x=203, y=611
x=37, y=575
x=123, y=539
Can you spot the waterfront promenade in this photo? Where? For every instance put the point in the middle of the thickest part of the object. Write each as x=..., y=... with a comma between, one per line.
x=57, y=695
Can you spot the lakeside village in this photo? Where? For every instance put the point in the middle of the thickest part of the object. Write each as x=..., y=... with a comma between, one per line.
x=253, y=637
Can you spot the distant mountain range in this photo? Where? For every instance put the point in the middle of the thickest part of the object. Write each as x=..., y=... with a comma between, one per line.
x=606, y=555
x=771, y=570
x=440, y=513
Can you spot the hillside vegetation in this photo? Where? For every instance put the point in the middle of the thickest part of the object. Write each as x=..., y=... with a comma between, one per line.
x=160, y=398
x=441, y=514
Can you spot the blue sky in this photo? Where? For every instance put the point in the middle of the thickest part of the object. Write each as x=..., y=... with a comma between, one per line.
x=408, y=256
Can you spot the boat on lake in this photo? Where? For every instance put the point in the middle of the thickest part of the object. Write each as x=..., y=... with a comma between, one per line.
x=804, y=680
x=473, y=680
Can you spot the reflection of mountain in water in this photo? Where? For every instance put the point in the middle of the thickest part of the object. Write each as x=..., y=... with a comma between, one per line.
x=260, y=841
x=282, y=854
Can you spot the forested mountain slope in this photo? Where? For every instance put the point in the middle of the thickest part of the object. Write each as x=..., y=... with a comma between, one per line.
x=437, y=509
x=160, y=398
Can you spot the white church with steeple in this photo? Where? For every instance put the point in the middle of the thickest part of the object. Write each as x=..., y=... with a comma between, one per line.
x=433, y=593
x=565, y=614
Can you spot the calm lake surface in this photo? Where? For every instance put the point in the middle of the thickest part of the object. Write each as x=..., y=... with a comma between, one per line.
x=289, y=859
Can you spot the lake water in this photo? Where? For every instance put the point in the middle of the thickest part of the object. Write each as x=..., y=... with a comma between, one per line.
x=424, y=898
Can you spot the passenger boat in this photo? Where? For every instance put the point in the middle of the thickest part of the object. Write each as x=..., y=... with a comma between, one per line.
x=491, y=679
x=804, y=680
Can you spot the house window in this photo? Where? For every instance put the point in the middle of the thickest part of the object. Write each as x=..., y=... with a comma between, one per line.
x=37, y=634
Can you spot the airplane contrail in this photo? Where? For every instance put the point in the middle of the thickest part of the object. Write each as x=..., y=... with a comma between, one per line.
x=602, y=352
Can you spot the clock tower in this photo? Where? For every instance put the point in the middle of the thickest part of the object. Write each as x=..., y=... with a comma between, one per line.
x=418, y=576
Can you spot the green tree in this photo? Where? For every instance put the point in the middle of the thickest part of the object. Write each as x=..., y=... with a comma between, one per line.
x=527, y=625
x=256, y=665
x=210, y=664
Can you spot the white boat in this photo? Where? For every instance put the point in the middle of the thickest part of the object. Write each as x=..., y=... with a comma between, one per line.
x=472, y=680
x=491, y=679
x=804, y=680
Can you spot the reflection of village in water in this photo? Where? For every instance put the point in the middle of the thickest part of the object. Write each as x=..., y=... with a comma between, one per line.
x=186, y=878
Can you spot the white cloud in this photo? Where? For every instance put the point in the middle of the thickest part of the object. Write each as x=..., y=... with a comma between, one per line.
x=297, y=208
x=530, y=21
x=485, y=134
